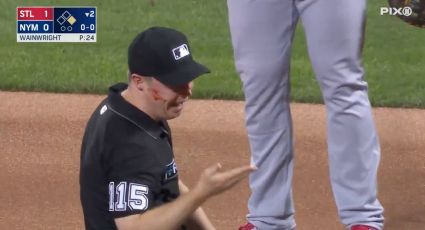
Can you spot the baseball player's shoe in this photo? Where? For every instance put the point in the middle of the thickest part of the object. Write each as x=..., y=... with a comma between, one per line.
x=362, y=227
x=248, y=226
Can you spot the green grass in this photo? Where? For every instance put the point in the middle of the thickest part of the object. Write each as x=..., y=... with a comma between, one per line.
x=394, y=54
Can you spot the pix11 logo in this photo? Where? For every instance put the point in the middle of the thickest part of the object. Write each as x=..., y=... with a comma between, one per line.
x=404, y=11
x=410, y=11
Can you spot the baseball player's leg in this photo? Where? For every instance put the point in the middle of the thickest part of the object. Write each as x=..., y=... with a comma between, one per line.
x=261, y=35
x=334, y=31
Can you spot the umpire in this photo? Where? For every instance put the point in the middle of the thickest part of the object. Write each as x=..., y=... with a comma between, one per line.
x=128, y=175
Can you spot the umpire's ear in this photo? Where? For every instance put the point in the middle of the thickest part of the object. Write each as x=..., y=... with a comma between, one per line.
x=138, y=81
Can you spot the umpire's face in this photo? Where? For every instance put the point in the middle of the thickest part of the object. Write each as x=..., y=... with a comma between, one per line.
x=169, y=99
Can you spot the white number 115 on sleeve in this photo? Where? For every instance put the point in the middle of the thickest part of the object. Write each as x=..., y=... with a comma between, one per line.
x=135, y=198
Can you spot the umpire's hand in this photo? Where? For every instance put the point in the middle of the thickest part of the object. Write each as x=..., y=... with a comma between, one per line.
x=214, y=181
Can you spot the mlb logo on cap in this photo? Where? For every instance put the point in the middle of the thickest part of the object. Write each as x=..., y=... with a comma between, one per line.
x=180, y=51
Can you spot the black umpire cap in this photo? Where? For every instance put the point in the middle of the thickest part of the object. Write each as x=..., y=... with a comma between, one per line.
x=164, y=54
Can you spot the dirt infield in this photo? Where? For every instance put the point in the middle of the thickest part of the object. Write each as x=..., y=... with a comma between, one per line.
x=40, y=136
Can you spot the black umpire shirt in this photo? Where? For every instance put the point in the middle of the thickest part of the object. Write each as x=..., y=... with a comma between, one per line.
x=127, y=163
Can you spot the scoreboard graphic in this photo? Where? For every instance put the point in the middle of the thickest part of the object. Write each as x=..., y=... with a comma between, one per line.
x=56, y=24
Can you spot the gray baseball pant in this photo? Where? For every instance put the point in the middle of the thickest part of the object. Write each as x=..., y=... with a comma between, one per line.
x=262, y=32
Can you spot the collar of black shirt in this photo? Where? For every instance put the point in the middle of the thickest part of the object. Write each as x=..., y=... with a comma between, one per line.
x=119, y=105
